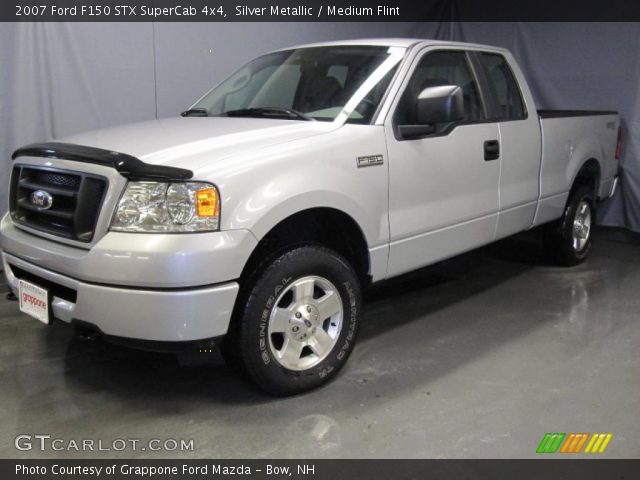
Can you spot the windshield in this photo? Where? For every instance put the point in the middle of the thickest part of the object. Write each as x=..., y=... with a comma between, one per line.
x=316, y=83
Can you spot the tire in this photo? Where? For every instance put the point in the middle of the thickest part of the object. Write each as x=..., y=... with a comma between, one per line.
x=569, y=239
x=299, y=323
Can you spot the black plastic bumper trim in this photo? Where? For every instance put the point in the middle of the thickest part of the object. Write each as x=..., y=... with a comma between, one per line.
x=128, y=166
x=205, y=345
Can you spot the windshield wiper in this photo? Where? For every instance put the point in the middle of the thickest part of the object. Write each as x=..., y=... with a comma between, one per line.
x=195, y=112
x=269, y=112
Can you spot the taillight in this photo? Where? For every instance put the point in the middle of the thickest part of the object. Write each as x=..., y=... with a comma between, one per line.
x=619, y=144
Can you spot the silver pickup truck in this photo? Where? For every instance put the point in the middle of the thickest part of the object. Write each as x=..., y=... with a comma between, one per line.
x=255, y=219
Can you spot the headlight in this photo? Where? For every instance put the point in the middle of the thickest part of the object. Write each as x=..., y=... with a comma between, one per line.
x=167, y=208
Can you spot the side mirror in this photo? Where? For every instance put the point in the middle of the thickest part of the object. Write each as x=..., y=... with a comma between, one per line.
x=440, y=105
x=435, y=105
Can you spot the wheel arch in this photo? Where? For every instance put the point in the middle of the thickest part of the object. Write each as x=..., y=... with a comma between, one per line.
x=588, y=174
x=324, y=225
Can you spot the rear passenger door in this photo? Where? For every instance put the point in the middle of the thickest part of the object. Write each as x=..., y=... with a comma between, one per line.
x=520, y=141
x=443, y=187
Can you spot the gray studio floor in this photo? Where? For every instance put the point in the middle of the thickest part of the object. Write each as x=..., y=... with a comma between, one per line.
x=475, y=357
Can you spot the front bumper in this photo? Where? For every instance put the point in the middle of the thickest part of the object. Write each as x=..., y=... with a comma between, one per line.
x=146, y=260
x=154, y=315
x=162, y=288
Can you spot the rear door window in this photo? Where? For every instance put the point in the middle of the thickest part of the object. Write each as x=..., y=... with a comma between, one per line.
x=505, y=87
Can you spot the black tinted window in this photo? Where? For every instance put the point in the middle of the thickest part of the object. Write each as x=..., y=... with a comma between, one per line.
x=437, y=69
x=505, y=86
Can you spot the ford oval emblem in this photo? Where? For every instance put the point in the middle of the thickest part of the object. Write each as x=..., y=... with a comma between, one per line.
x=42, y=199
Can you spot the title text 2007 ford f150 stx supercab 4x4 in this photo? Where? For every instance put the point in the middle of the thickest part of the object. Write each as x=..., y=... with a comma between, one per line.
x=256, y=218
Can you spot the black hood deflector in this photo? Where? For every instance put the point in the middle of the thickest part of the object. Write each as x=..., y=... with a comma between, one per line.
x=128, y=166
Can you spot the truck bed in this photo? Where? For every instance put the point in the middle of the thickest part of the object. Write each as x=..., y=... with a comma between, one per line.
x=569, y=138
x=573, y=113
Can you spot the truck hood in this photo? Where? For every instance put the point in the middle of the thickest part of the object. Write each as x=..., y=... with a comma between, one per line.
x=192, y=142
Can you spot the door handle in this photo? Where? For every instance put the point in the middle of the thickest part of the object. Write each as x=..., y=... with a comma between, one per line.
x=491, y=150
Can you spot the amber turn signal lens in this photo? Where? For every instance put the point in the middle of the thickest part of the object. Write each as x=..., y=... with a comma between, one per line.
x=207, y=202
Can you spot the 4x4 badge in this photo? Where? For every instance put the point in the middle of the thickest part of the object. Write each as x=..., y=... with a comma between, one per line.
x=370, y=160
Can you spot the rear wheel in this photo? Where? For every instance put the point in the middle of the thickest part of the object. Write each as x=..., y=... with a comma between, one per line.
x=299, y=323
x=569, y=239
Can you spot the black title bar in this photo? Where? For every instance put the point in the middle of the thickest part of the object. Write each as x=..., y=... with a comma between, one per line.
x=535, y=469
x=318, y=10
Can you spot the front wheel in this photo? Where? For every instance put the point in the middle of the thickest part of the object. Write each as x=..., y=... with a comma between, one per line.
x=569, y=239
x=299, y=323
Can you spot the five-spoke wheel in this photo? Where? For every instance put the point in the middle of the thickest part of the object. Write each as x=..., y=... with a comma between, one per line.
x=305, y=323
x=297, y=321
x=568, y=240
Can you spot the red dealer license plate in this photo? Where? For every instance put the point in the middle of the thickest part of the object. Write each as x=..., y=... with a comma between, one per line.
x=34, y=301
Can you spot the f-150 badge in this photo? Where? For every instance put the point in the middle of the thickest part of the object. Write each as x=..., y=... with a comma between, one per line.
x=370, y=160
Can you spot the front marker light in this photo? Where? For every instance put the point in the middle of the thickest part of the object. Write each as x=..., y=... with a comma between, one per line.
x=207, y=202
x=160, y=207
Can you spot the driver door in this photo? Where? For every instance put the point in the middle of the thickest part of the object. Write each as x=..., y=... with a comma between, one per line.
x=443, y=187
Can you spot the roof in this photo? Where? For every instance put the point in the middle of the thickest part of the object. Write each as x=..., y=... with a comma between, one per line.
x=393, y=42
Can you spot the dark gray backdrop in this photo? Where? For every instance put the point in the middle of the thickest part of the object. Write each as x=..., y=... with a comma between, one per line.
x=61, y=78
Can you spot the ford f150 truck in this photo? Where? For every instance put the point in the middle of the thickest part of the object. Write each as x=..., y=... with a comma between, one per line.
x=255, y=219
